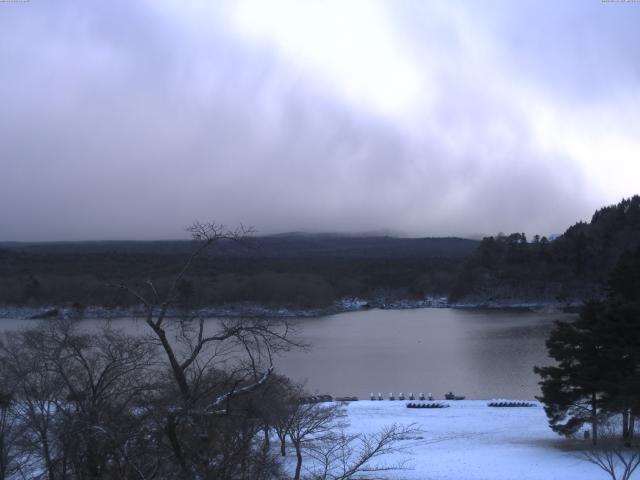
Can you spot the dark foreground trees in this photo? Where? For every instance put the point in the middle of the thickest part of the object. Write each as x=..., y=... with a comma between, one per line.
x=79, y=405
x=184, y=398
x=173, y=401
x=597, y=373
x=104, y=405
x=212, y=366
x=572, y=390
x=75, y=402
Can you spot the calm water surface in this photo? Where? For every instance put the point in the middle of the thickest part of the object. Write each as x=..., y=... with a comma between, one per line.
x=480, y=354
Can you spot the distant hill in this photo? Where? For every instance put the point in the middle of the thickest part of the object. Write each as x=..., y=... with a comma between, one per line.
x=315, y=270
x=573, y=267
x=302, y=270
x=283, y=245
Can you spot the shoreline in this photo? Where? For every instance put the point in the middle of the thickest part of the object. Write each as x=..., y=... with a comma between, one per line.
x=250, y=310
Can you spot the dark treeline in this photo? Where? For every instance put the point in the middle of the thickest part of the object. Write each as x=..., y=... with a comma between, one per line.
x=574, y=266
x=315, y=272
x=282, y=245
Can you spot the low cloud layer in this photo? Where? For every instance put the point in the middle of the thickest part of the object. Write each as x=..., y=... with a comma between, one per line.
x=130, y=120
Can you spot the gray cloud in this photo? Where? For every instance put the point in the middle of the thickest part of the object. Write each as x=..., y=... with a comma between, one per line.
x=130, y=120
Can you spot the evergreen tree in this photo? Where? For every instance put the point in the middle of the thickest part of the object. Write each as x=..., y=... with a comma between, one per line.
x=622, y=338
x=624, y=279
x=573, y=390
x=598, y=358
x=621, y=341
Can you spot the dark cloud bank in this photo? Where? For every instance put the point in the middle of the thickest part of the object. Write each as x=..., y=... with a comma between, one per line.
x=129, y=120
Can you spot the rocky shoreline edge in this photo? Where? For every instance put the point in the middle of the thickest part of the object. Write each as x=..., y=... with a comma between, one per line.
x=249, y=310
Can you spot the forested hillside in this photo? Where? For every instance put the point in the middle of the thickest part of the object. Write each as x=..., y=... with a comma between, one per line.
x=573, y=267
x=314, y=271
x=299, y=270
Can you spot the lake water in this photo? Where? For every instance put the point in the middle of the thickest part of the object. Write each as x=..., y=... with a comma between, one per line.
x=477, y=353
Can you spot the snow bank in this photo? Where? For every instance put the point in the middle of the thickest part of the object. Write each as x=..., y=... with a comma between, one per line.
x=471, y=441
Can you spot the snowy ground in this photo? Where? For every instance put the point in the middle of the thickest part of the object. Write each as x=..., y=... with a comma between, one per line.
x=471, y=441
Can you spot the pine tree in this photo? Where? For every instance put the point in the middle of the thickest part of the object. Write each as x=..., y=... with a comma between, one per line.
x=624, y=279
x=622, y=338
x=598, y=358
x=573, y=390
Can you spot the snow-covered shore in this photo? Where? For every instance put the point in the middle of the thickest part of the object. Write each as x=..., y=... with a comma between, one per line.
x=471, y=441
x=252, y=310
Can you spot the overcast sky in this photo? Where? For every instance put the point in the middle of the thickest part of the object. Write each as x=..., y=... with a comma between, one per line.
x=125, y=119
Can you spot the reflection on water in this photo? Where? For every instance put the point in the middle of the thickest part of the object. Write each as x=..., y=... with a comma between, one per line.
x=480, y=354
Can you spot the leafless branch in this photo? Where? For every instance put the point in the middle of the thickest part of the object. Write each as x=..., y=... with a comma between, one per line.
x=346, y=456
x=611, y=455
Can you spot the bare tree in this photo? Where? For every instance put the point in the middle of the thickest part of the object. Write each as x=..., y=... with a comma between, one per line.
x=36, y=389
x=259, y=340
x=187, y=400
x=278, y=402
x=211, y=365
x=343, y=456
x=273, y=404
x=77, y=398
x=106, y=377
x=9, y=434
x=612, y=455
x=318, y=431
x=311, y=424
